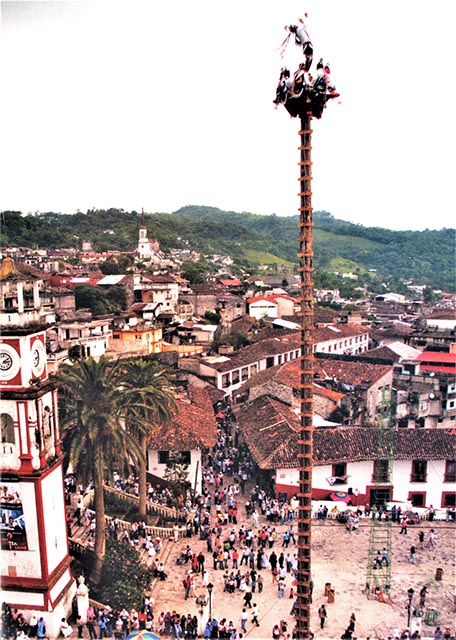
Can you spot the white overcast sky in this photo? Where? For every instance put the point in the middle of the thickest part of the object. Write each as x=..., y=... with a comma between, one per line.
x=162, y=104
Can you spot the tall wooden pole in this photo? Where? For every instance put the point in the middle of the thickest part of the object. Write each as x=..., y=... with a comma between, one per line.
x=304, y=595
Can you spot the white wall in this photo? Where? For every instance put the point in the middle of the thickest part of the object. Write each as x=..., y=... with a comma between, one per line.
x=194, y=468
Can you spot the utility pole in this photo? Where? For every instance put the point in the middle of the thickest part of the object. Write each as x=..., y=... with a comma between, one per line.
x=305, y=95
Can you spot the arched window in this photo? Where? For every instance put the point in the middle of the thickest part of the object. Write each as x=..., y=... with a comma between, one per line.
x=7, y=432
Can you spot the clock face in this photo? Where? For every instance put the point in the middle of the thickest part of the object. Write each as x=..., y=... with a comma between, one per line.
x=38, y=358
x=10, y=362
x=6, y=361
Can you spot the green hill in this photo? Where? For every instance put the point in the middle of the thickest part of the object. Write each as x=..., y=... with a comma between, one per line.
x=423, y=257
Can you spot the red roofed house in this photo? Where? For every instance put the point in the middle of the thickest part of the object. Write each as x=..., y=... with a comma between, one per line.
x=442, y=365
x=272, y=306
x=438, y=361
x=193, y=429
x=345, y=458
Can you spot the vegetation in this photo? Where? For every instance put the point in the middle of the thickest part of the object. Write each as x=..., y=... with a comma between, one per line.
x=421, y=257
x=124, y=579
x=147, y=403
x=176, y=474
x=98, y=300
x=91, y=418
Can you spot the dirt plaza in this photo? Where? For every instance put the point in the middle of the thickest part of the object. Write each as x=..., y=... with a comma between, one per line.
x=339, y=558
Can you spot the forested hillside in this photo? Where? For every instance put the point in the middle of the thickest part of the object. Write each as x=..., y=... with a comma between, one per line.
x=423, y=257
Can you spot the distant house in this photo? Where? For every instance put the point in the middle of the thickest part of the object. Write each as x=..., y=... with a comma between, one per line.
x=189, y=332
x=84, y=338
x=262, y=307
x=234, y=285
x=366, y=384
x=282, y=382
x=272, y=306
x=216, y=299
x=158, y=289
x=228, y=373
x=341, y=338
x=135, y=338
x=438, y=361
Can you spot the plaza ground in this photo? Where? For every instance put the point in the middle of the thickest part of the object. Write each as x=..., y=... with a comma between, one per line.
x=340, y=558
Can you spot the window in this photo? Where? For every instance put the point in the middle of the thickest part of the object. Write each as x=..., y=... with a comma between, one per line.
x=339, y=473
x=7, y=433
x=450, y=471
x=184, y=457
x=419, y=471
x=163, y=457
x=448, y=499
x=381, y=471
x=417, y=499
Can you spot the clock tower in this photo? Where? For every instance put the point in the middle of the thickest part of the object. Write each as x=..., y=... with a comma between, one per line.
x=35, y=563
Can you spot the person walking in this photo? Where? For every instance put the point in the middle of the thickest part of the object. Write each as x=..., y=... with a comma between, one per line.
x=255, y=614
x=421, y=539
x=431, y=540
x=412, y=556
x=403, y=526
x=423, y=594
x=322, y=614
x=244, y=618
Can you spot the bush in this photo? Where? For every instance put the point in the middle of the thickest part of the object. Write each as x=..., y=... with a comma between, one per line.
x=124, y=579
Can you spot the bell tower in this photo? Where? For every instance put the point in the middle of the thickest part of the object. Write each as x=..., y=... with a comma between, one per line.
x=35, y=563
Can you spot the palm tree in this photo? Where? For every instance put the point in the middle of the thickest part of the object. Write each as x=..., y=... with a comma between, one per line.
x=147, y=402
x=94, y=433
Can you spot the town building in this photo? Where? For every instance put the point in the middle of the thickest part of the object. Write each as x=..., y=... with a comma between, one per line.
x=193, y=428
x=133, y=338
x=34, y=559
x=345, y=458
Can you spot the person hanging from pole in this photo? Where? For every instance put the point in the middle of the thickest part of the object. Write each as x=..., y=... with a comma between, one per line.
x=302, y=39
x=284, y=87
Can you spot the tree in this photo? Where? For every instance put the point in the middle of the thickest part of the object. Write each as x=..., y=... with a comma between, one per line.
x=117, y=297
x=89, y=297
x=176, y=474
x=116, y=264
x=195, y=272
x=94, y=434
x=125, y=587
x=148, y=402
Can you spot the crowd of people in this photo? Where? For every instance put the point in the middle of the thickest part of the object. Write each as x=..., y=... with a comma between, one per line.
x=246, y=549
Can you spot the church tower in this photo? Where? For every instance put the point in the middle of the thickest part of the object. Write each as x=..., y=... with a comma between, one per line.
x=35, y=563
x=147, y=249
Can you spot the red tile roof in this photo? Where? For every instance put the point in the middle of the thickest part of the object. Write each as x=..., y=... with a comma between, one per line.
x=270, y=430
x=194, y=426
x=258, y=351
x=350, y=372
